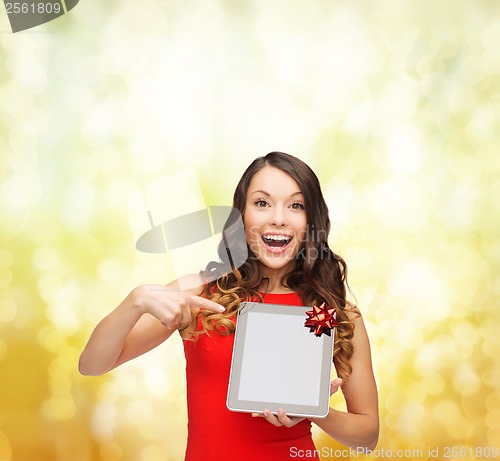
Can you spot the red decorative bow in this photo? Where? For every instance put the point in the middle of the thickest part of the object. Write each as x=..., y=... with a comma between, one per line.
x=321, y=320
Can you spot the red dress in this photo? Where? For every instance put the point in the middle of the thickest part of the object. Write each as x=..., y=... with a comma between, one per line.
x=214, y=432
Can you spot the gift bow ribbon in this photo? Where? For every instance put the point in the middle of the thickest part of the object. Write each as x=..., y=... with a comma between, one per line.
x=321, y=320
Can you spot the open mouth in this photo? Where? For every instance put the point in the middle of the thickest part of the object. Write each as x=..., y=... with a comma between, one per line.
x=276, y=241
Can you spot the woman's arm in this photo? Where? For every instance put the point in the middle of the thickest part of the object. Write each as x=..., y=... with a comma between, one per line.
x=143, y=320
x=359, y=427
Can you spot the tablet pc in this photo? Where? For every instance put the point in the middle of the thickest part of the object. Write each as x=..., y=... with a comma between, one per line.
x=278, y=363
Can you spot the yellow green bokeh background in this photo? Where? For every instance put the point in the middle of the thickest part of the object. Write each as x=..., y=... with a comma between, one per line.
x=395, y=105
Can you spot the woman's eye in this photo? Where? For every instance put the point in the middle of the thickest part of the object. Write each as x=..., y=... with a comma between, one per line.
x=261, y=203
x=297, y=206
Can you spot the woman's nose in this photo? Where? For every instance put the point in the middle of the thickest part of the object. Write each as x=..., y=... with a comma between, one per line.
x=278, y=217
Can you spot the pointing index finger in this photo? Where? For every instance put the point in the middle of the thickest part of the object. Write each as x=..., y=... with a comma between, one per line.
x=204, y=303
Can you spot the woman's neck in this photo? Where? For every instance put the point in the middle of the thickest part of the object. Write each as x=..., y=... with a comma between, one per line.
x=272, y=282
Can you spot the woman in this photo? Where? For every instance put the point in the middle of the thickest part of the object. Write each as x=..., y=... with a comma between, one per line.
x=286, y=226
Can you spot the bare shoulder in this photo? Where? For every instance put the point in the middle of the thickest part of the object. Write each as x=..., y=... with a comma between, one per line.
x=191, y=283
x=360, y=335
x=354, y=314
x=360, y=389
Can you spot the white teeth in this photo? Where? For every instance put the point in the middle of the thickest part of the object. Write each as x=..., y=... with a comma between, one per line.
x=277, y=237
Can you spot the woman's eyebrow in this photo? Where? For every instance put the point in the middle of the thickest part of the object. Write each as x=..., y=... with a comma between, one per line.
x=269, y=195
x=261, y=192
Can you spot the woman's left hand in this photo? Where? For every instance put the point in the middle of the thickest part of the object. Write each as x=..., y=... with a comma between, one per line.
x=281, y=419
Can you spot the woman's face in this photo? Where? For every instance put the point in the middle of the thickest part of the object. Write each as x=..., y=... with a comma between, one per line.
x=275, y=218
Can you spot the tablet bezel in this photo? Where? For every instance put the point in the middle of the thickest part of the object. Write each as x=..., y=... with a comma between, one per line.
x=250, y=406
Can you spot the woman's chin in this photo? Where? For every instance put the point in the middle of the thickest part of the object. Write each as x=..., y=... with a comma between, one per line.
x=276, y=263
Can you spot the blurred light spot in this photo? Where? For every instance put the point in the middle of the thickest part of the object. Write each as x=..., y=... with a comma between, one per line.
x=6, y=277
x=125, y=29
x=5, y=448
x=340, y=198
x=88, y=70
x=48, y=285
x=111, y=270
x=409, y=336
x=115, y=192
x=52, y=339
x=125, y=383
x=491, y=57
x=107, y=392
x=466, y=337
x=158, y=381
x=46, y=259
x=434, y=86
x=490, y=347
x=110, y=451
x=78, y=206
x=445, y=42
x=415, y=392
x=180, y=402
x=153, y=452
x=59, y=406
x=109, y=160
x=493, y=401
x=103, y=422
x=60, y=384
x=471, y=71
x=461, y=206
x=399, y=101
x=64, y=364
x=405, y=151
x=97, y=125
x=147, y=154
x=479, y=130
x=417, y=281
x=15, y=103
x=434, y=355
x=8, y=310
x=62, y=307
x=113, y=60
x=21, y=190
x=3, y=349
x=393, y=401
x=466, y=381
x=358, y=115
x=6, y=258
x=462, y=98
x=489, y=330
x=139, y=412
x=491, y=375
x=410, y=419
x=492, y=419
x=209, y=15
x=31, y=71
x=434, y=384
x=466, y=168
x=428, y=64
x=448, y=413
x=78, y=98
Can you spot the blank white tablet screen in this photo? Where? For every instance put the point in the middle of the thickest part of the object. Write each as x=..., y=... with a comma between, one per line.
x=281, y=360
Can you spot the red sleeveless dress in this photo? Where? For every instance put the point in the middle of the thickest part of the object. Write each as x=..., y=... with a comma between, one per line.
x=214, y=432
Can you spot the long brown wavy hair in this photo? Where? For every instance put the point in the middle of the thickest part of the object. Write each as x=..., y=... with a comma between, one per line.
x=319, y=275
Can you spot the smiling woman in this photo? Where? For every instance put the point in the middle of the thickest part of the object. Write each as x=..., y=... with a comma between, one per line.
x=275, y=222
x=289, y=262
